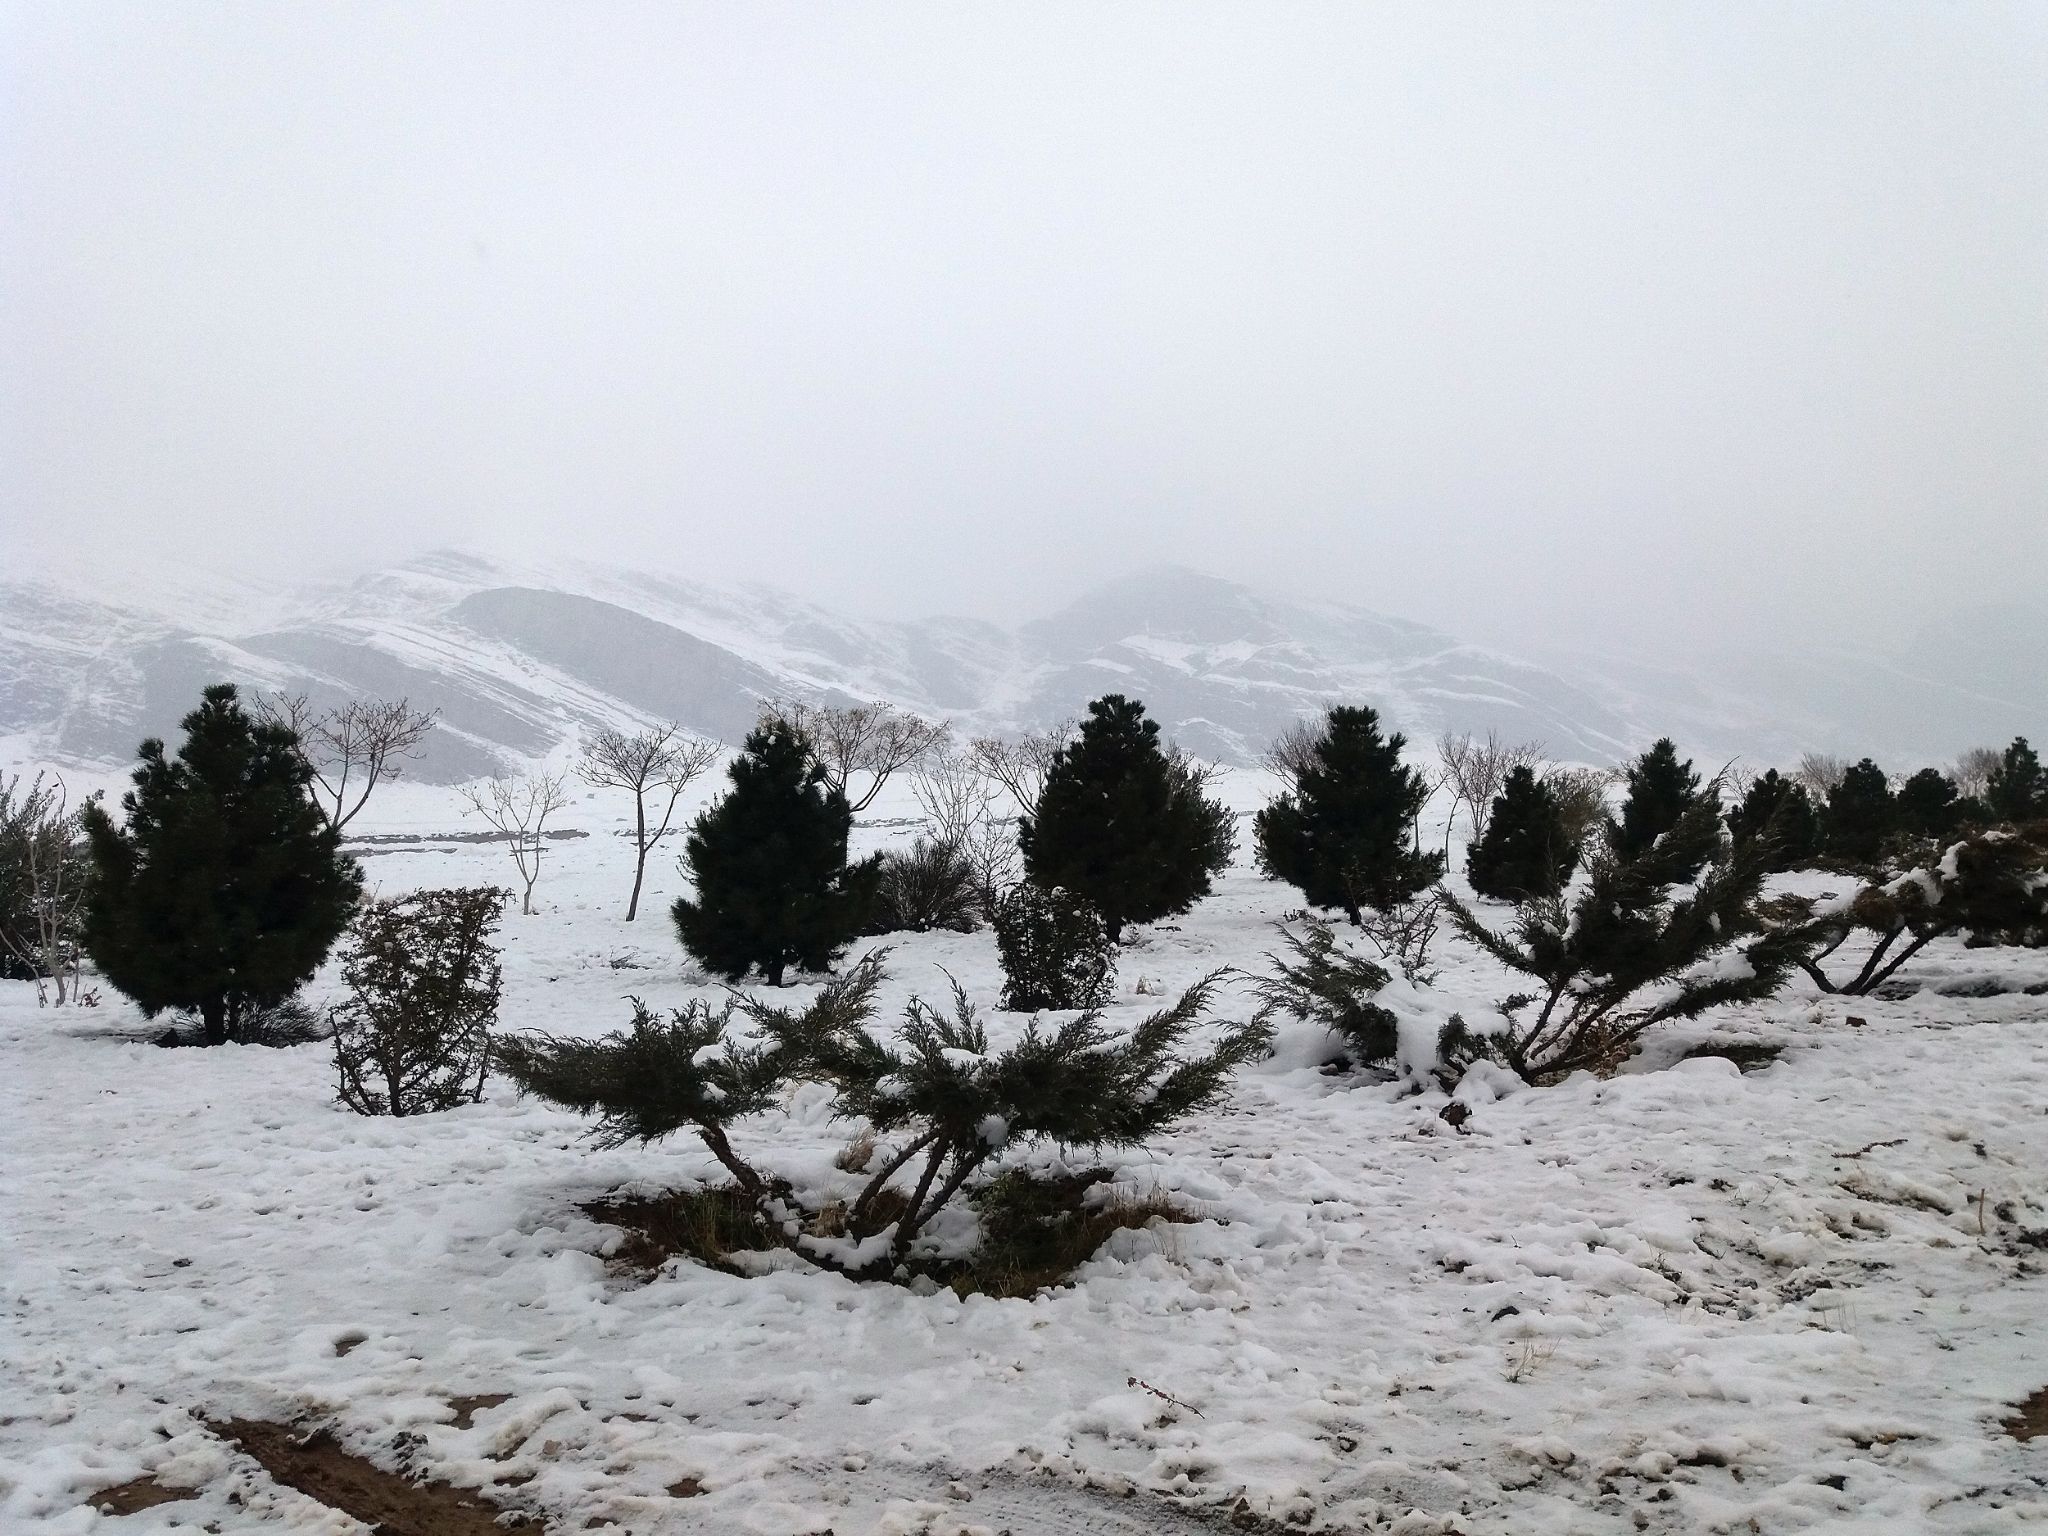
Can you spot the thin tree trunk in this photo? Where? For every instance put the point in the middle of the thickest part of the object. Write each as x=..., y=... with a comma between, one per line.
x=213, y=1017
x=639, y=852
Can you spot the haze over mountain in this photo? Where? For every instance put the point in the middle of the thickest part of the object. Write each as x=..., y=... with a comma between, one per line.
x=519, y=660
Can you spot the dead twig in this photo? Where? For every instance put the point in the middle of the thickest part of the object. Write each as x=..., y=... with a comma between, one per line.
x=1164, y=1397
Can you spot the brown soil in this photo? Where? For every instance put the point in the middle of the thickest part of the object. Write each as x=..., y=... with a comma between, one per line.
x=467, y=1408
x=390, y=1505
x=2029, y=1420
x=141, y=1493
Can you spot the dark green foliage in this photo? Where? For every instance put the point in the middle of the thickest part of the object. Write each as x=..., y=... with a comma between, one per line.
x=1528, y=850
x=1779, y=811
x=774, y=888
x=1657, y=933
x=1323, y=984
x=226, y=887
x=1343, y=836
x=949, y=1103
x=1661, y=790
x=693, y=1070
x=2017, y=789
x=1119, y=823
x=1080, y=1086
x=1055, y=950
x=924, y=888
x=1861, y=814
x=1991, y=885
x=413, y=1035
x=1928, y=805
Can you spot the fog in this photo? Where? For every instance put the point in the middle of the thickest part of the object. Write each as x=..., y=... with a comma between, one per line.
x=1628, y=325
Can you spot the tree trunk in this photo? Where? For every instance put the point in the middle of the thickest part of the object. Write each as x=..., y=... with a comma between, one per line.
x=213, y=1017
x=774, y=973
x=639, y=852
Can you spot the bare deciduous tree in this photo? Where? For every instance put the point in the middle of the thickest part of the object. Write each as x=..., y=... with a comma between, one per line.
x=42, y=883
x=1293, y=752
x=876, y=739
x=1020, y=764
x=1818, y=773
x=961, y=806
x=519, y=808
x=660, y=758
x=350, y=748
x=1475, y=772
x=1973, y=769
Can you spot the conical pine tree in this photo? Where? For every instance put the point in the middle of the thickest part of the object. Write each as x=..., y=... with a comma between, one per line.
x=1780, y=810
x=2018, y=787
x=1344, y=834
x=774, y=888
x=1527, y=852
x=1661, y=789
x=225, y=888
x=1929, y=804
x=1861, y=814
x=1119, y=823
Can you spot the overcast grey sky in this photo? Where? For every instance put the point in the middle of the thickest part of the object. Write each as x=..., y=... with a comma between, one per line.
x=1551, y=320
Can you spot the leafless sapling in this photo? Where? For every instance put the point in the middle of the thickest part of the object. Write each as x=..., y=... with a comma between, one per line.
x=519, y=809
x=659, y=761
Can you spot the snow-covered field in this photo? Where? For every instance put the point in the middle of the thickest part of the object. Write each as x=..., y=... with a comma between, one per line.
x=1690, y=1298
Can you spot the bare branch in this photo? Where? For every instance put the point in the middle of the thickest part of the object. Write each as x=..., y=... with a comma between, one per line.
x=352, y=748
x=1021, y=764
x=876, y=739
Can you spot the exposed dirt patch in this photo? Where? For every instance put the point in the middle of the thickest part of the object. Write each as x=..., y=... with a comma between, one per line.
x=688, y=1488
x=318, y=1467
x=2029, y=1421
x=467, y=1408
x=137, y=1494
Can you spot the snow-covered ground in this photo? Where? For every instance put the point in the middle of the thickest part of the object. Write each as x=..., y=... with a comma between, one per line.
x=1689, y=1298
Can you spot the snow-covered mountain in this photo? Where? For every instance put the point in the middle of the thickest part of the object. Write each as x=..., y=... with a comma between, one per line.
x=519, y=660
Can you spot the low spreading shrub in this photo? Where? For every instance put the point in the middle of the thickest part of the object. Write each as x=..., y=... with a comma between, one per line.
x=1323, y=984
x=1658, y=930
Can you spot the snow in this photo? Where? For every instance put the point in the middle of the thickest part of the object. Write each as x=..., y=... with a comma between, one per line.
x=1685, y=1298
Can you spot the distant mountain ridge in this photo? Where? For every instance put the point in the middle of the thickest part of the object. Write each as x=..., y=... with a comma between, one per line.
x=520, y=660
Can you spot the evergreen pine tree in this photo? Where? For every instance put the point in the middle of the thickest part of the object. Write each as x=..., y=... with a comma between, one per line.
x=1661, y=789
x=1779, y=808
x=1928, y=804
x=1119, y=823
x=226, y=887
x=1861, y=814
x=2017, y=789
x=1343, y=834
x=774, y=888
x=1527, y=851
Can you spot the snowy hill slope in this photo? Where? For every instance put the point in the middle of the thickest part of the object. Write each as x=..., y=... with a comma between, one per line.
x=520, y=660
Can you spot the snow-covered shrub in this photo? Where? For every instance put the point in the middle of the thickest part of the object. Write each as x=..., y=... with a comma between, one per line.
x=949, y=1106
x=1055, y=950
x=1991, y=886
x=291, y=1022
x=924, y=888
x=413, y=1034
x=1323, y=984
x=1651, y=933
x=695, y=1070
x=43, y=873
